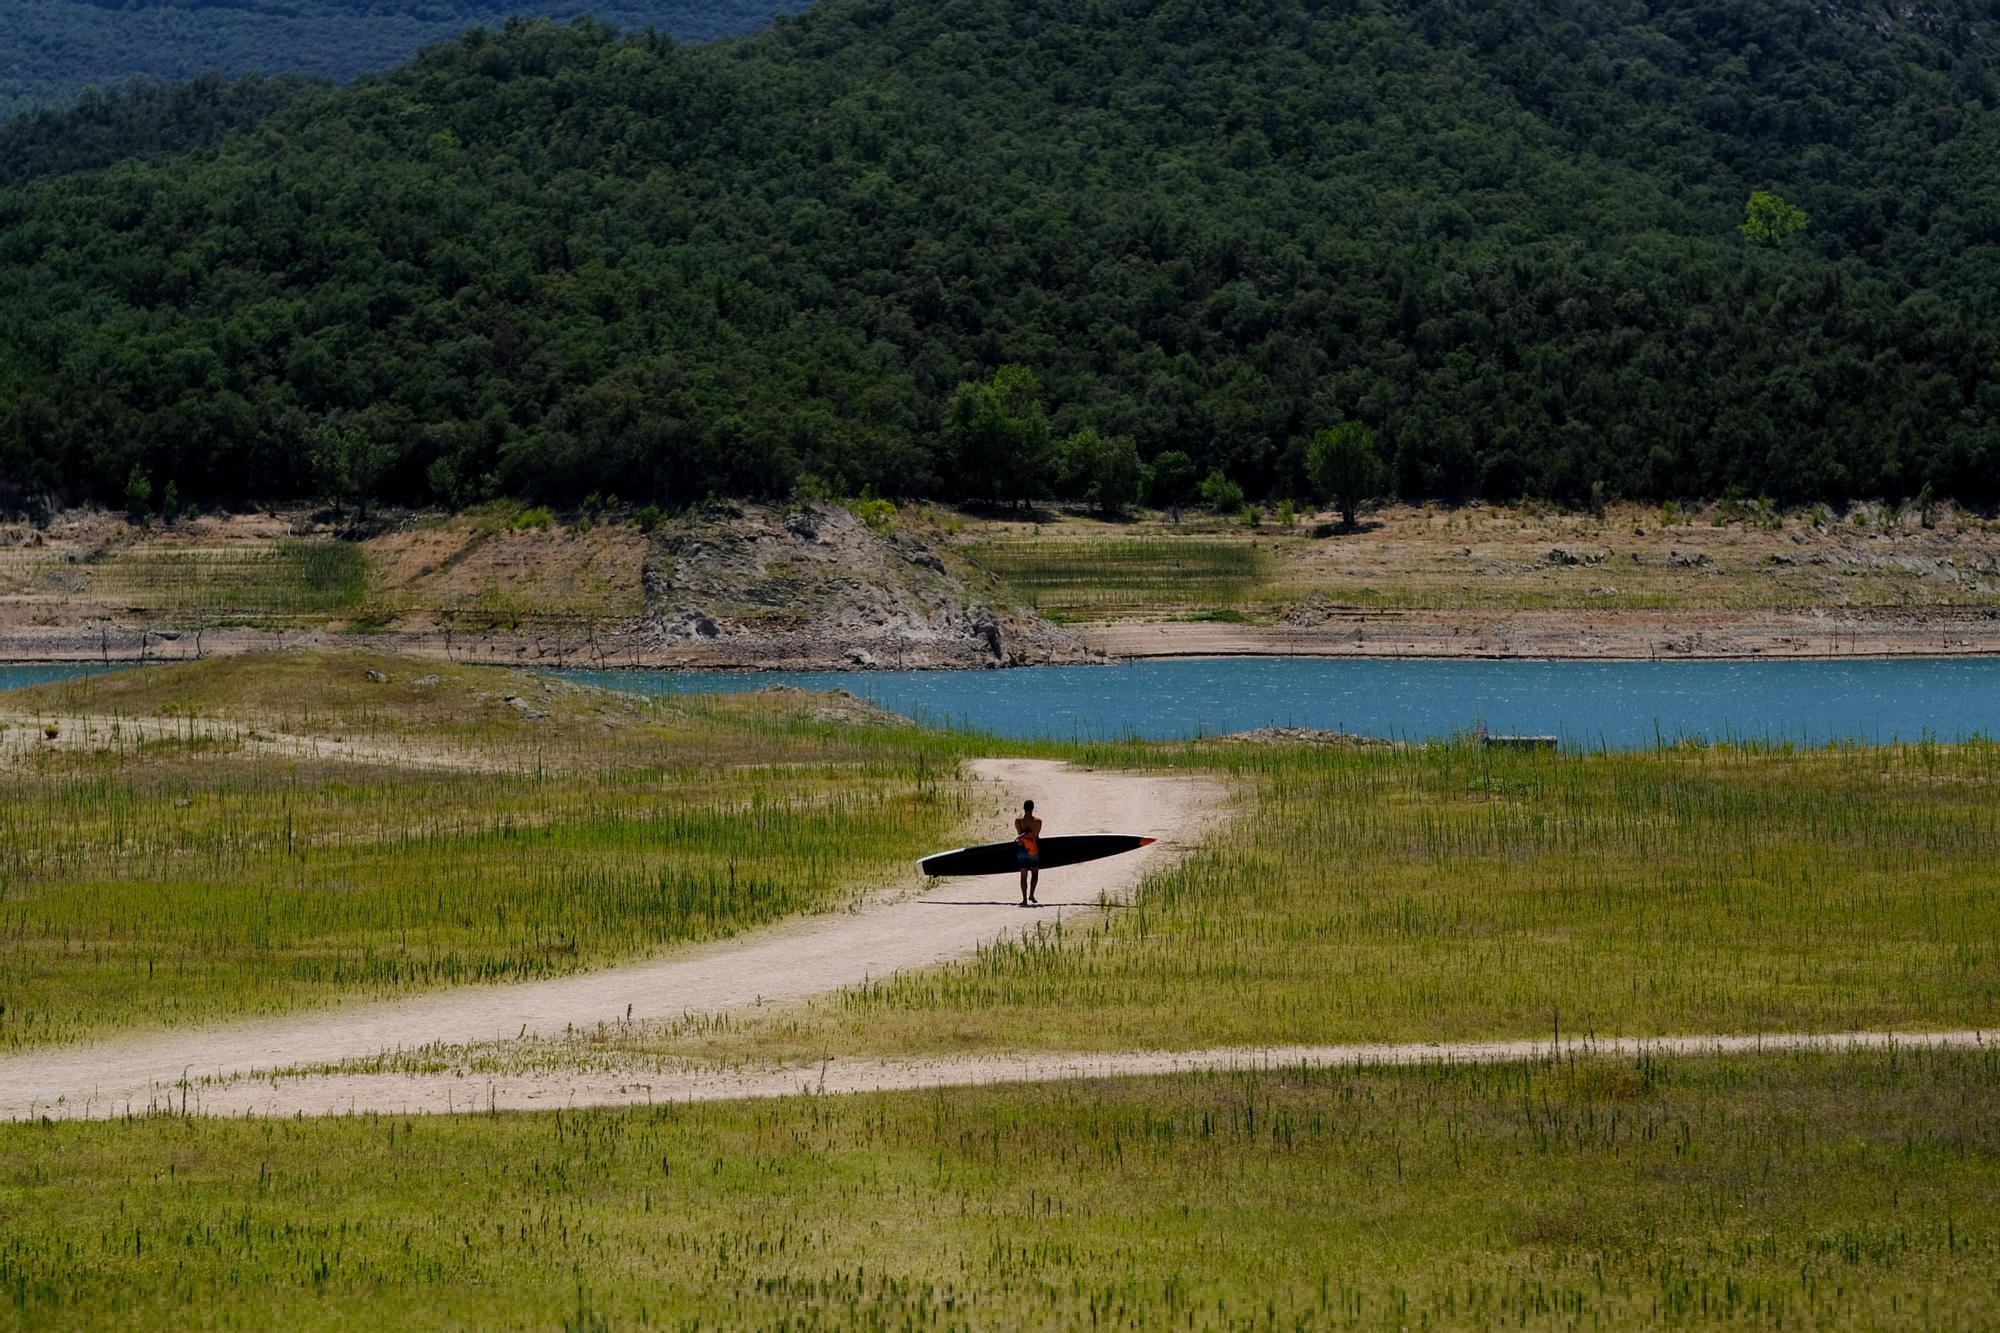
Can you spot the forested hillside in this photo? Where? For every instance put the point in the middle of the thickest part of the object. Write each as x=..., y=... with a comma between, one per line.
x=1509, y=238
x=51, y=50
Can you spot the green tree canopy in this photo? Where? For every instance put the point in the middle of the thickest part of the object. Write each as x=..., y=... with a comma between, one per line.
x=1345, y=467
x=1770, y=219
x=1105, y=470
x=548, y=261
x=999, y=433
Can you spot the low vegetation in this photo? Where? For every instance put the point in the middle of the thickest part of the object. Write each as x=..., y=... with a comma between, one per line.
x=1457, y=892
x=1727, y=557
x=1826, y=1190
x=189, y=843
x=1093, y=579
x=250, y=835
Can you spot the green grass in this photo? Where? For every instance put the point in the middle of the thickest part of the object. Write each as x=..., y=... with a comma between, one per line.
x=1827, y=1190
x=290, y=579
x=1076, y=579
x=1449, y=892
x=169, y=879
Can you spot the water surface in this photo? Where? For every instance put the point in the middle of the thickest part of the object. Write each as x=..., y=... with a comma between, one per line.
x=1615, y=704
x=14, y=675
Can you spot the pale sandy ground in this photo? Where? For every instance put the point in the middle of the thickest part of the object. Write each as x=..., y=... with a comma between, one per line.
x=906, y=926
x=431, y=1093
x=22, y=735
x=1585, y=635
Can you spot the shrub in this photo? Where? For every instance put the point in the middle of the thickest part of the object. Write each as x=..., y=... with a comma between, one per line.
x=1221, y=494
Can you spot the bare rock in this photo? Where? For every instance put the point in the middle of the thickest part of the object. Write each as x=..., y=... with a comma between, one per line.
x=817, y=588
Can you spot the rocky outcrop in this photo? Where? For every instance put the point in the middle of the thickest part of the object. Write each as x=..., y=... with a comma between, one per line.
x=816, y=587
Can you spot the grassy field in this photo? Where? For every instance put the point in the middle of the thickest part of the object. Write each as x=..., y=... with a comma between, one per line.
x=411, y=834
x=1453, y=892
x=1853, y=1190
x=252, y=835
x=258, y=834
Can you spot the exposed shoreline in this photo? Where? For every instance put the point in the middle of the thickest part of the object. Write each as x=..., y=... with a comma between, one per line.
x=1567, y=636
x=1362, y=636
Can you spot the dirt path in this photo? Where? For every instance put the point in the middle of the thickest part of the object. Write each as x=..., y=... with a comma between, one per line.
x=908, y=925
x=418, y=1094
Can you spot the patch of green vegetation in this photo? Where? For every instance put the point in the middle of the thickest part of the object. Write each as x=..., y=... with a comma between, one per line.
x=1451, y=892
x=1830, y=1190
x=1088, y=578
x=288, y=580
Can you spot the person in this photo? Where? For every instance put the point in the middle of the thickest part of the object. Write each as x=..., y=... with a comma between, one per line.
x=1028, y=852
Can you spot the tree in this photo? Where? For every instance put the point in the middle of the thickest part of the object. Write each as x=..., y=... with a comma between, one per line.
x=138, y=495
x=1104, y=470
x=1345, y=468
x=1221, y=494
x=1770, y=219
x=999, y=435
x=348, y=464
x=1172, y=481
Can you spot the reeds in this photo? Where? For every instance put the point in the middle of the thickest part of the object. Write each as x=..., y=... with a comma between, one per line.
x=1454, y=892
x=329, y=835
x=1120, y=576
x=1820, y=1190
x=288, y=579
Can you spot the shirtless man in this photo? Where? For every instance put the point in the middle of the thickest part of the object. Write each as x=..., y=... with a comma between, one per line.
x=1028, y=852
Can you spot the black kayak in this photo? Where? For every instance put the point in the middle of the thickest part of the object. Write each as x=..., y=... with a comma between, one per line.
x=998, y=858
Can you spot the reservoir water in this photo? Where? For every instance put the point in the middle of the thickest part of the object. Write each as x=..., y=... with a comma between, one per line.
x=1590, y=704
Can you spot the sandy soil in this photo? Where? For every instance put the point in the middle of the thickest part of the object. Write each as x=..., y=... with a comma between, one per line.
x=1474, y=581
x=430, y=1093
x=907, y=925
x=22, y=735
x=1596, y=635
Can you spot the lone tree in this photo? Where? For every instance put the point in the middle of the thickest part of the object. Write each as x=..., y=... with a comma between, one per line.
x=1771, y=219
x=1172, y=479
x=1000, y=435
x=348, y=464
x=1345, y=468
x=1103, y=469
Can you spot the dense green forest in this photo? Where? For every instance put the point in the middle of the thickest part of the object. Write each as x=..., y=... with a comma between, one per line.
x=51, y=50
x=1508, y=238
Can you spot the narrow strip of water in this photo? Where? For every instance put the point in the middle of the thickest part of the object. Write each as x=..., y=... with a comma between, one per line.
x=1595, y=704
x=1617, y=705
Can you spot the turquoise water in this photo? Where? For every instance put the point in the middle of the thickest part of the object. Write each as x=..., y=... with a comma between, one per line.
x=1614, y=704
x=12, y=676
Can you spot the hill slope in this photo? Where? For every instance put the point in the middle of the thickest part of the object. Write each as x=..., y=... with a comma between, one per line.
x=551, y=261
x=50, y=50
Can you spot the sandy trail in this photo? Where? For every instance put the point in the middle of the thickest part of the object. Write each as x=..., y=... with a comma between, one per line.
x=907, y=926
x=419, y=1094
